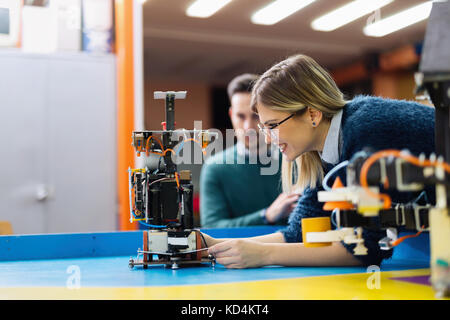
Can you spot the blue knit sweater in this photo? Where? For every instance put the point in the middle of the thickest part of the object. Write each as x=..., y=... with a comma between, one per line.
x=379, y=124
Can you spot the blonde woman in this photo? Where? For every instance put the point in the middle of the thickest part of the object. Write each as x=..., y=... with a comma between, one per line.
x=302, y=110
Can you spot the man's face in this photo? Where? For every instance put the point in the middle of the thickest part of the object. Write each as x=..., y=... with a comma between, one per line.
x=244, y=120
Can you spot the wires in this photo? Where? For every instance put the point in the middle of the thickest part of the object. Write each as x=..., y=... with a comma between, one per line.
x=168, y=149
x=160, y=154
x=158, y=180
x=186, y=140
x=162, y=179
x=163, y=151
x=146, y=224
x=177, y=179
x=135, y=218
x=333, y=217
x=341, y=165
x=172, y=253
x=159, y=163
x=400, y=240
x=203, y=238
x=151, y=225
x=147, y=145
x=387, y=202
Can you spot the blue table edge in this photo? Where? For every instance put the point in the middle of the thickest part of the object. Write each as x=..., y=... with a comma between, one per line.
x=126, y=243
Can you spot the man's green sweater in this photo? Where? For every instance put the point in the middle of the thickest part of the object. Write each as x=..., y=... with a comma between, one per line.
x=235, y=193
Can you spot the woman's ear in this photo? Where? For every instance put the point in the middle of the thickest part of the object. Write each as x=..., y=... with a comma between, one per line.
x=315, y=116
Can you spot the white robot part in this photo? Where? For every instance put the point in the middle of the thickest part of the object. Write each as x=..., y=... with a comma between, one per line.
x=163, y=94
x=347, y=235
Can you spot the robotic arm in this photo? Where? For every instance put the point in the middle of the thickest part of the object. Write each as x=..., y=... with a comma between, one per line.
x=361, y=204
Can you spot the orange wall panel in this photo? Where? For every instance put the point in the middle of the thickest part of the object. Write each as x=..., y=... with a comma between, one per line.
x=125, y=105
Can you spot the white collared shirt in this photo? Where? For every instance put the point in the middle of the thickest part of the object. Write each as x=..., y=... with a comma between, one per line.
x=332, y=146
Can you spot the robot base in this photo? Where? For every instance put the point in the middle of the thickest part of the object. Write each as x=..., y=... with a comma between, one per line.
x=173, y=262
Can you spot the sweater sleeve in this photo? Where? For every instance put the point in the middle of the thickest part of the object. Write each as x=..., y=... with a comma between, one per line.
x=214, y=209
x=309, y=207
x=379, y=124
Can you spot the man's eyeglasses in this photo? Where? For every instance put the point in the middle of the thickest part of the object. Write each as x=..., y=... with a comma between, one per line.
x=268, y=130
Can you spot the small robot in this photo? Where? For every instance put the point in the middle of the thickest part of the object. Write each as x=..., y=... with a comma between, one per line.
x=162, y=200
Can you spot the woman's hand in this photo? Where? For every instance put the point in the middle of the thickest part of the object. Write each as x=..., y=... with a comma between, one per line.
x=281, y=207
x=240, y=253
x=210, y=241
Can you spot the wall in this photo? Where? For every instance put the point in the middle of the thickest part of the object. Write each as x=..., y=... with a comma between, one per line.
x=196, y=106
x=395, y=85
x=58, y=141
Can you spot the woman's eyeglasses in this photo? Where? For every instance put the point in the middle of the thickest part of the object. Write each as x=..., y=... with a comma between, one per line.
x=268, y=130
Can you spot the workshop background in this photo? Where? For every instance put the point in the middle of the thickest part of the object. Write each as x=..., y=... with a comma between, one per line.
x=77, y=77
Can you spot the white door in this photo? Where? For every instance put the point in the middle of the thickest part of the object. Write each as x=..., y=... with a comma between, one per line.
x=23, y=186
x=82, y=144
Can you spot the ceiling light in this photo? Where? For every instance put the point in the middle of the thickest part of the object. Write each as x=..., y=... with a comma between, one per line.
x=205, y=8
x=278, y=10
x=399, y=21
x=346, y=14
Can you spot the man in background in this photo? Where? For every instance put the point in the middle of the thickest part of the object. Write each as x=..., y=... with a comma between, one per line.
x=233, y=192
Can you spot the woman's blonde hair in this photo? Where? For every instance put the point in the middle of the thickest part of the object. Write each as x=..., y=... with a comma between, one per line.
x=293, y=85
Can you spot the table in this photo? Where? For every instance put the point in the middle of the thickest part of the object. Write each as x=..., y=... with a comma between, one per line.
x=95, y=266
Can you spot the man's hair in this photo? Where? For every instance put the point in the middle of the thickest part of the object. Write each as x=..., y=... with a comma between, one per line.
x=241, y=83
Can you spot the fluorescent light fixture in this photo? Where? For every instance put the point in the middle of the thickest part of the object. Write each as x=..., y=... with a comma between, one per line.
x=205, y=8
x=399, y=21
x=278, y=10
x=346, y=14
